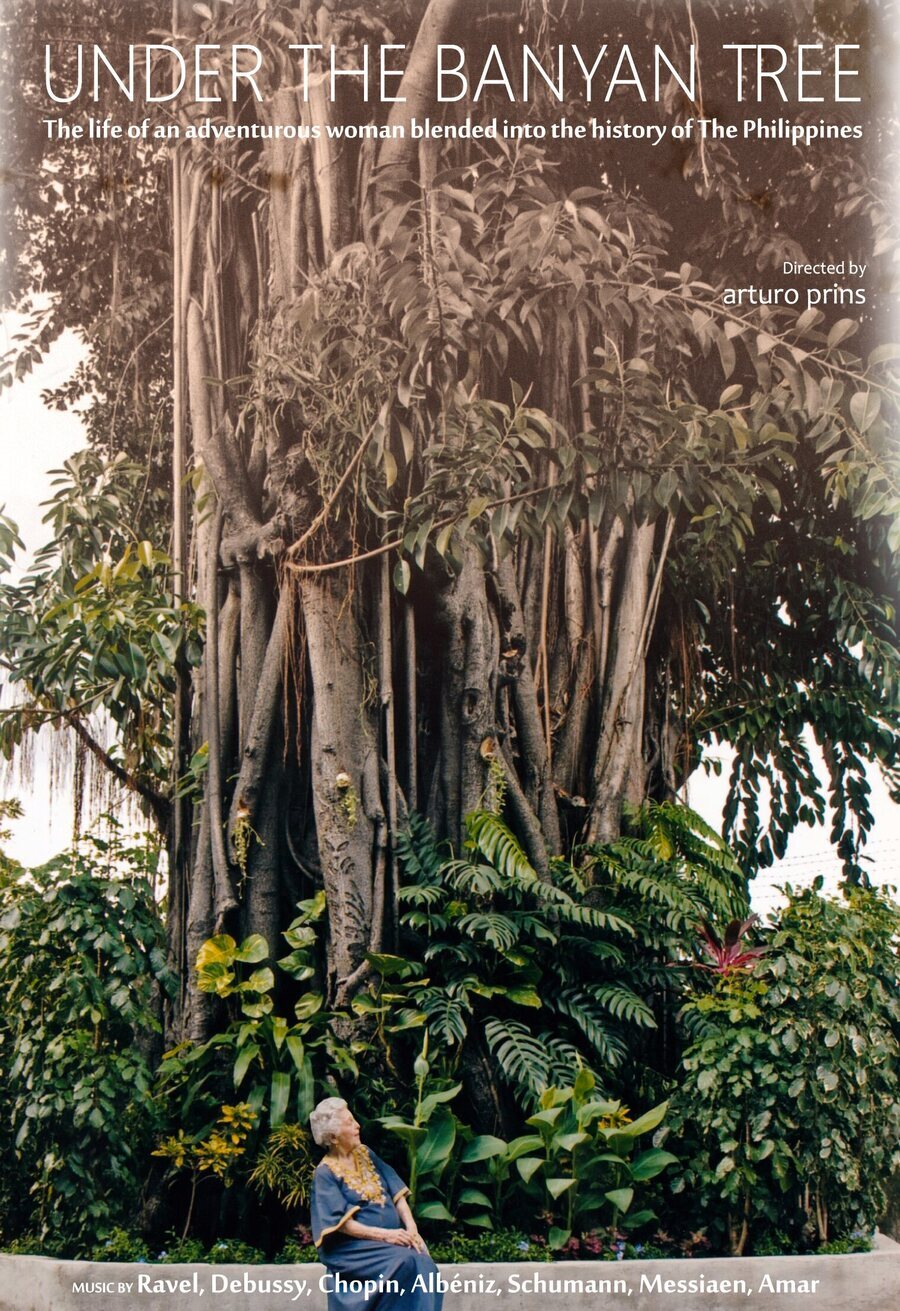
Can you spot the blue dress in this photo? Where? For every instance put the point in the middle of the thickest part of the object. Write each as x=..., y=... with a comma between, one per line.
x=363, y=1274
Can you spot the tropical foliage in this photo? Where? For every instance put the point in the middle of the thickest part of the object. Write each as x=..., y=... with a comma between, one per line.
x=83, y=976
x=789, y=1090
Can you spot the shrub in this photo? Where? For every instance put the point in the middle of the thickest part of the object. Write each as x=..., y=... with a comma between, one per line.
x=82, y=964
x=788, y=1107
x=499, y=1245
x=298, y=1249
x=121, y=1245
x=231, y=1251
x=182, y=1251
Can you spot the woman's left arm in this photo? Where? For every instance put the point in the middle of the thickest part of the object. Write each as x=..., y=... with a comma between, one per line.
x=409, y=1224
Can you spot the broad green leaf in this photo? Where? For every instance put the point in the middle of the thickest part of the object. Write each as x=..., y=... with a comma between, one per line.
x=545, y=1119
x=521, y=1146
x=557, y=1186
x=281, y=1091
x=308, y=1005
x=528, y=1166
x=220, y=950
x=621, y=1197
x=295, y=1049
x=483, y=1148
x=433, y=1211
x=252, y=950
x=260, y=981
x=649, y=1120
x=435, y=1099
x=246, y=1056
x=435, y=1149
x=569, y=1141
x=649, y=1164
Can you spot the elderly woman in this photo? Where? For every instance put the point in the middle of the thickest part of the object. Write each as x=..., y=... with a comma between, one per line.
x=362, y=1225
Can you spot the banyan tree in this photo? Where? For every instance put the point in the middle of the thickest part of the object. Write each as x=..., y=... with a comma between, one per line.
x=481, y=484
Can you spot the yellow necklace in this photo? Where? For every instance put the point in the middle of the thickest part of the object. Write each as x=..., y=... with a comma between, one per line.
x=359, y=1174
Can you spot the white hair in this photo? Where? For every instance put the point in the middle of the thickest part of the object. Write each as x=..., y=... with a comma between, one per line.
x=322, y=1120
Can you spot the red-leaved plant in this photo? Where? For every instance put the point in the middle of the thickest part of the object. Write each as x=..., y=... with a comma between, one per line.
x=730, y=954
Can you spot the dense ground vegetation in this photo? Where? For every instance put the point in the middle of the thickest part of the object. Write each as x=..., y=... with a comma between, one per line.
x=687, y=1095
x=440, y=515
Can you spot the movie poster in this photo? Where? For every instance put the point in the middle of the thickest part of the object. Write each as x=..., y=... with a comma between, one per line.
x=490, y=417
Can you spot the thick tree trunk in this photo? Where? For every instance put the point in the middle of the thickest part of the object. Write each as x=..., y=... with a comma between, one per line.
x=350, y=818
x=468, y=713
x=618, y=763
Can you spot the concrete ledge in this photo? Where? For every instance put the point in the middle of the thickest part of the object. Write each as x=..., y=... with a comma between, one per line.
x=866, y=1282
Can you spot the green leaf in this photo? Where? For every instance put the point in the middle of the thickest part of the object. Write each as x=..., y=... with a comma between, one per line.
x=260, y=981
x=391, y=966
x=402, y=577
x=281, y=1091
x=483, y=1148
x=435, y=1150
x=559, y=1185
x=435, y=1099
x=621, y=1197
x=666, y=487
x=558, y=1238
x=252, y=950
x=245, y=1058
x=255, y=1010
x=649, y=1120
x=296, y=1051
x=521, y=1146
x=528, y=1166
x=649, y=1164
x=220, y=950
x=524, y=996
x=433, y=1211
x=545, y=1119
x=567, y=1142
x=410, y=1133
x=308, y=1005
x=306, y=1091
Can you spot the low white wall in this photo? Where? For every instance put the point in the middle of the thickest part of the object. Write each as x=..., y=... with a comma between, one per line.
x=869, y=1282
